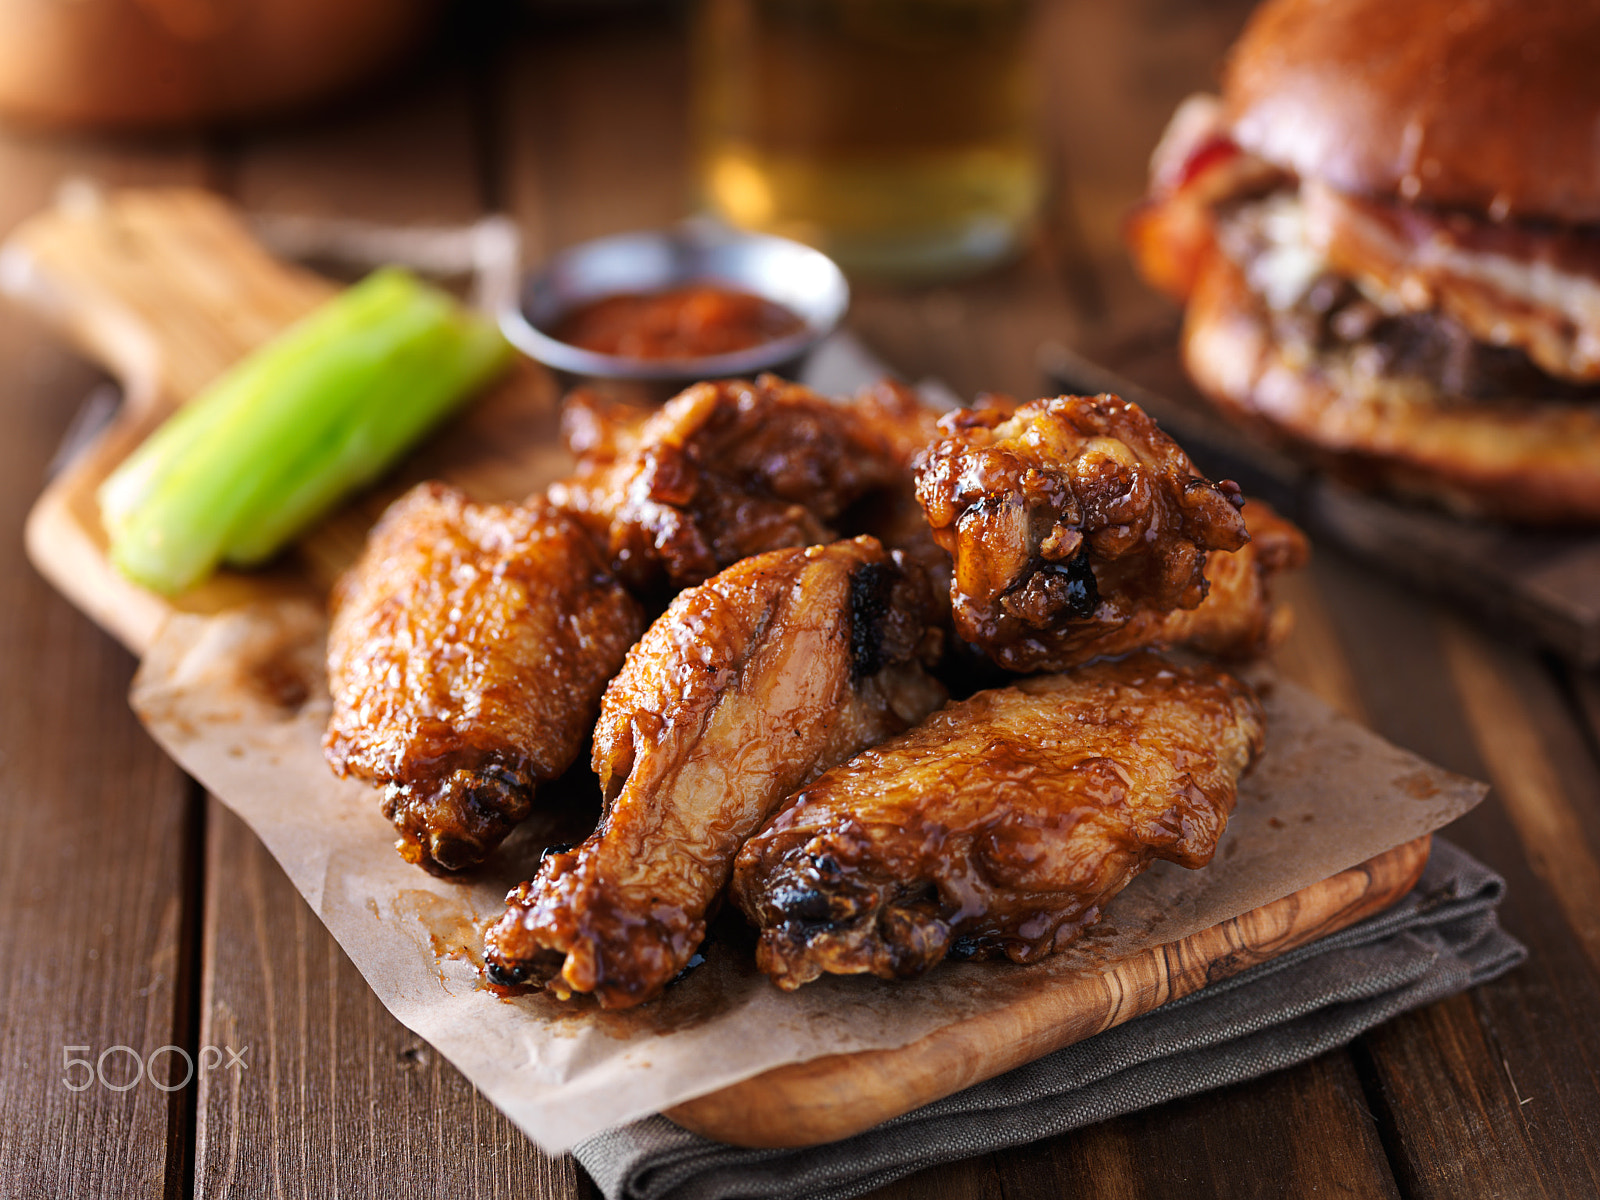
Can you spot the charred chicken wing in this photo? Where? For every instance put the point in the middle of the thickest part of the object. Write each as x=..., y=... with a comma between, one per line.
x=1000, y=825
x=745, y=689
x=1070, y=520
x=726, y=470
x=469, y=648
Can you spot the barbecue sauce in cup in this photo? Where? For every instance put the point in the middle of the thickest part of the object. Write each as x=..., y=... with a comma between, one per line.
x=694, y=321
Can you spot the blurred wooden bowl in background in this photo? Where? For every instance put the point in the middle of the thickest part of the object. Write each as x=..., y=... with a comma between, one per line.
x=149, y=64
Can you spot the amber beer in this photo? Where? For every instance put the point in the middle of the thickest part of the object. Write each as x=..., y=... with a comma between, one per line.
x=896, y=135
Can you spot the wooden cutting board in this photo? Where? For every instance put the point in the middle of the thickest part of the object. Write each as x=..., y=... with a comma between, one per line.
x=166, y=289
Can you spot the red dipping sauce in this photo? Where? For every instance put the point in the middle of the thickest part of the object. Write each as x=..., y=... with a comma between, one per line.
x=683, y=322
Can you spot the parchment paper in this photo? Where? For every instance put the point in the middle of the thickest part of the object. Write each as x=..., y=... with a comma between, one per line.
x=239, y=701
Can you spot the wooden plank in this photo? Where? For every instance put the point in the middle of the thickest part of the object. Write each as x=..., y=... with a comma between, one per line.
x=1114, y=73
x=405, y=154
x=193, y=296
x=1448, y=1083
x=980, y=372
x=341, y=1098
x=1198, y=1144
x=1535, y=754
x=595, y=129
x=977, y=337
x=1264, y=933
x=1585, y=687
x=97, y=870
x=1312, y=655
x=1216, y=1144
x=970, y=1179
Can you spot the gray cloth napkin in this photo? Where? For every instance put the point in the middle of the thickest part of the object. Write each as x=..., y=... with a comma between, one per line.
x=1441, y=938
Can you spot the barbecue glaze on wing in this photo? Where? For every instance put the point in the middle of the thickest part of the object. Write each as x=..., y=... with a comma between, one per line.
x=1000, y=825
x=746, y=688
x=1067, y=520
x=1238, y=619
x=469, y=648
x=730, y=469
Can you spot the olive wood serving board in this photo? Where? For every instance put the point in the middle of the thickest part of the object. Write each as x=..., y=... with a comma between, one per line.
x=843, y=1094
x=166, y=289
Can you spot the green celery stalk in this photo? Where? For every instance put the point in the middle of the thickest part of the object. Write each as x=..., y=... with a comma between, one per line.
x=415, y=391
x=204, y=488
x=276, y=433
x=250, y=381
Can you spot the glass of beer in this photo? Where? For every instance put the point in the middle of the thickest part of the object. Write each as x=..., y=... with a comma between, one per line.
x=898, y=136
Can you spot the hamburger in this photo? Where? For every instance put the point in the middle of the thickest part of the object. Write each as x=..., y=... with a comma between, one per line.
x=1386, y=234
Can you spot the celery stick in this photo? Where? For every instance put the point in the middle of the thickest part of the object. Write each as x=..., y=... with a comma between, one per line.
x=129, y=485
x=213, y=486
x=420, y=386
x=249, y=381
x=180, y=529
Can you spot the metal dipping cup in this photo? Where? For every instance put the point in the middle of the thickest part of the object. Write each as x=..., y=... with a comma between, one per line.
x=803, y=280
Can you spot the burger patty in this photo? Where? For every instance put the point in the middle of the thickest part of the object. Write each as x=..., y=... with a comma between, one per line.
x=1445, y=355
x=1316, y=311
x=1361, y=407
x=1333, y=316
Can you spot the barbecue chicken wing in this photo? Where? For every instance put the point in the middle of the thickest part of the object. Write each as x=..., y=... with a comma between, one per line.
x=725, y=470
x=746, y=688
x=469, y=648
x=1068, y=520
x=1000, y=825
x=1238, y=618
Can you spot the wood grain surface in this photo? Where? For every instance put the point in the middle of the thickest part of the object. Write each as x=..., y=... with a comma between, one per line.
x=114, y=865
x=355, y=1104
x=165, y=288
x=97, y=872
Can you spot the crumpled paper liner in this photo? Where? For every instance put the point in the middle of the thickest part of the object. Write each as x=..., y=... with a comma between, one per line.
x=240, y=700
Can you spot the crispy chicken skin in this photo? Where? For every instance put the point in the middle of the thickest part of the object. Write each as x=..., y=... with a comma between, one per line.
x=745, y=689
x=1000, y=825
x=906, y=422
x=729, y=469
x=1238, y=618
x=469, y=649
x=1070, y=520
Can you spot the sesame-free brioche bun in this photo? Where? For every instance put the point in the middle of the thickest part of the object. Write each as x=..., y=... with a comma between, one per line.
x=1491, y=106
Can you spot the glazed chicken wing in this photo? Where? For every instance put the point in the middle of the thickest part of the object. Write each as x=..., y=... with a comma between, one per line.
x=1002, y=824
x=469, y=648
x=746, y=688
x=1238, y=618
x=1069, y=521
x=906, y=423
x=725, y=470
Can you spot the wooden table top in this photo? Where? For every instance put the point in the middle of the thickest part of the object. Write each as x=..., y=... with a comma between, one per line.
x=139, y=913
